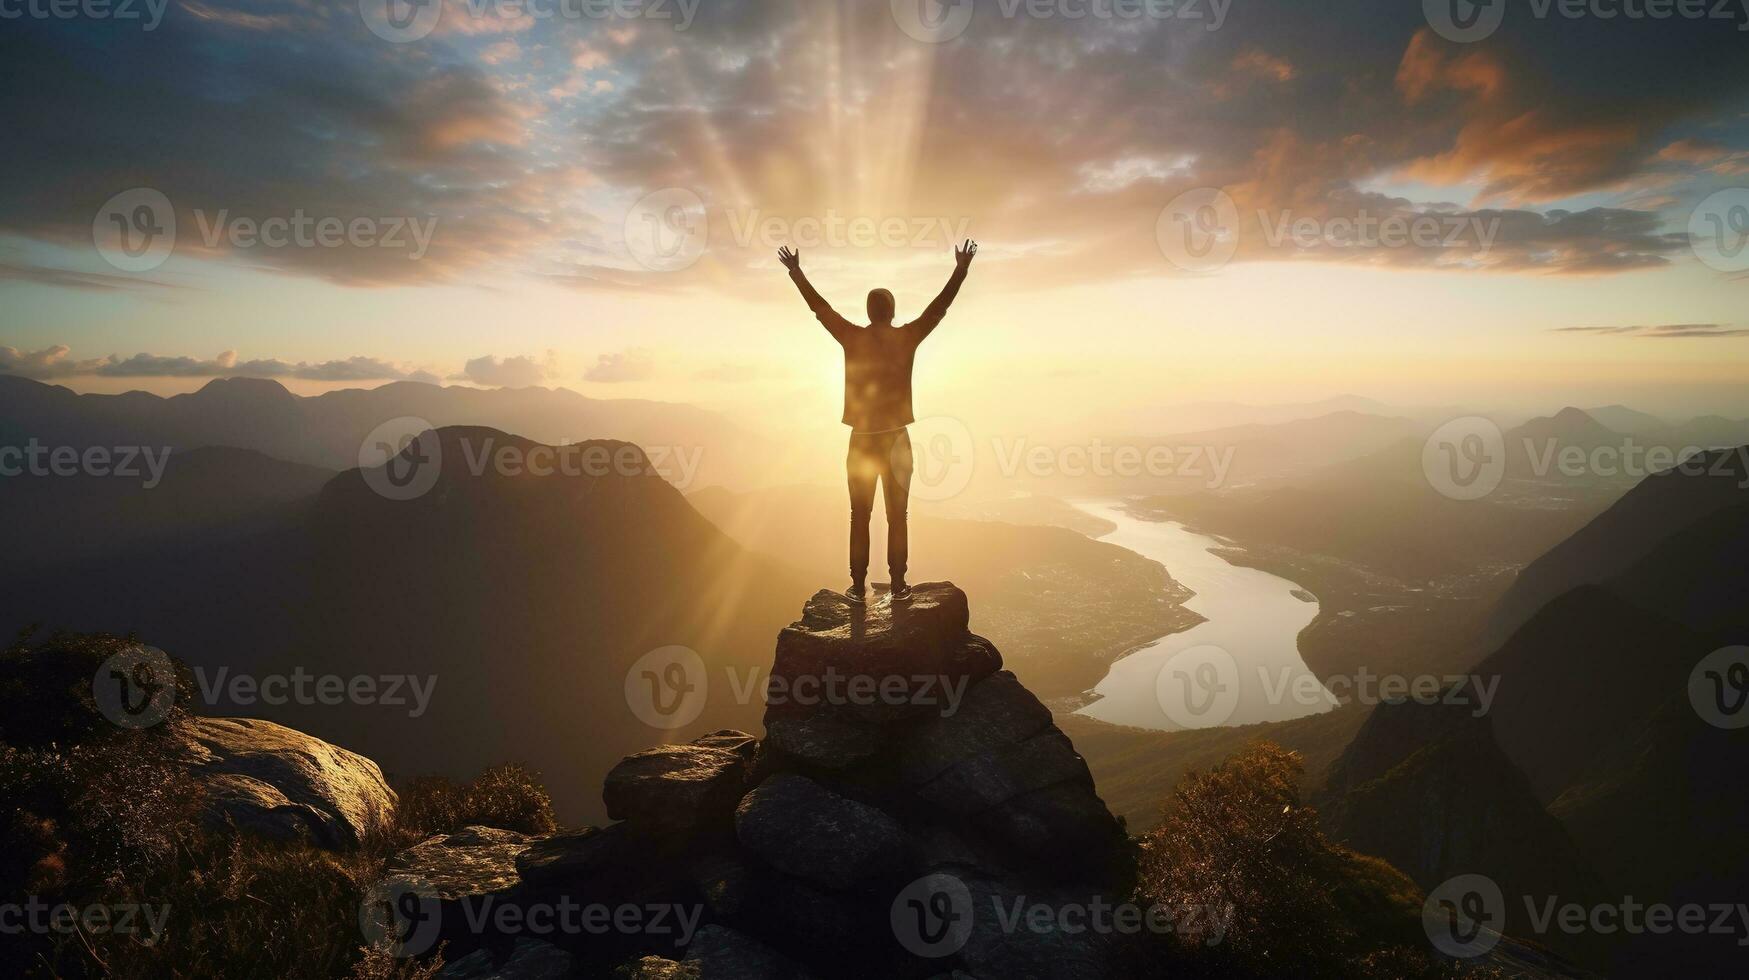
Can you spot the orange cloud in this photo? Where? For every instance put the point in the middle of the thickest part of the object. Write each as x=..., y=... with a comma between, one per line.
x=1424, y=70
x=1264, y=65
x=1517, y=150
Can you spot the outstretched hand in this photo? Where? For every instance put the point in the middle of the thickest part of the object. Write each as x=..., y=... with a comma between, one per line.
x=791, y=259
x=962, y=256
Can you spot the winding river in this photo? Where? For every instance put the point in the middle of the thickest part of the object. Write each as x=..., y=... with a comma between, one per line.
x=1240, y=666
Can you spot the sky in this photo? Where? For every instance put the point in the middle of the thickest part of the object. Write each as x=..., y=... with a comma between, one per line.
x=1175, y=199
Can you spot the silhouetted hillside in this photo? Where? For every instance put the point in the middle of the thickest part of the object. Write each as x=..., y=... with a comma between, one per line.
x=526, y=597
x=60, y=520
x=1425, y=786
x=1645, y=518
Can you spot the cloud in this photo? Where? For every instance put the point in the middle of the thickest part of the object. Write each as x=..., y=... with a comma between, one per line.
x=72, y=279
x=1263, y=65
x=510, y=372
x=529, y=139
x=631, y=365
x=50, y=362
x=272, y=110
x=57, y=362
x=1661, y=330
x=1713, y=157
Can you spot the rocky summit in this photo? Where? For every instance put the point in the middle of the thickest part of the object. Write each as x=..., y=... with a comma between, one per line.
x=909, y=796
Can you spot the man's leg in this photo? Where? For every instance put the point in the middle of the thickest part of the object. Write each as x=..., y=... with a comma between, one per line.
x=896, y=485
x=862, y=466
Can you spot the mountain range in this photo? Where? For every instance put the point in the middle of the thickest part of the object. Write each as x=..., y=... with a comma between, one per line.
x=530, y=598
x=328, y=430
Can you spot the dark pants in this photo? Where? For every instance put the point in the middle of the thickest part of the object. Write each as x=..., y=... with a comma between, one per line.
x=883, y=456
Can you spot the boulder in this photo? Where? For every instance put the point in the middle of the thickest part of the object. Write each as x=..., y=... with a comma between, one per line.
x=1064, y=827
x=472, y=862
x=716, y=953
x=721, y=953
x=656, y=968
x=282, y=784
x=574, y=855
x=995, y=713
x=740, y=743
x=1049, y=946
x=723, y=880
x=815, y=920
x=998, y=775
x=877, y=663
x=1001, y=764
x=528, y=959
x=803, y=829
x=675, y=789
x=454, y=878
x=824, y=741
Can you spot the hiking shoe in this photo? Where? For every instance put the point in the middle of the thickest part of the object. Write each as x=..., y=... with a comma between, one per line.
x=856, y=593
x=901, y=591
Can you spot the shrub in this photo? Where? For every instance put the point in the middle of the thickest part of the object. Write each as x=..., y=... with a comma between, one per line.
x=45, y=691
x=97, y=815
x=89, y=803
x=1238, y=848
x=508, y=797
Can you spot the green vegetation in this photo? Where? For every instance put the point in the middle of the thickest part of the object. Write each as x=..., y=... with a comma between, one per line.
x=99, y=817
x=1270, y=895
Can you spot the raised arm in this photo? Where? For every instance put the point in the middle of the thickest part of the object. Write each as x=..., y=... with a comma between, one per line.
x=962, y=259
x=828, y=317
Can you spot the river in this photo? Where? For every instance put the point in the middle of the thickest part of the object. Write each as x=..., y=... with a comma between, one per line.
x=1241, y=665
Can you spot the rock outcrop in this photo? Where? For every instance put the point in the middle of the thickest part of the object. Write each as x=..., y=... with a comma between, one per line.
x=282, y=784
x=908, y=797
x=528, y=959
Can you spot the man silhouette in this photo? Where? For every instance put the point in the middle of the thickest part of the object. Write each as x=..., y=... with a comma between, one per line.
x=877, y=407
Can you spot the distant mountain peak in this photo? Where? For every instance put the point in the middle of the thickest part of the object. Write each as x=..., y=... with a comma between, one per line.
x=1570, y=425
x=244, y=385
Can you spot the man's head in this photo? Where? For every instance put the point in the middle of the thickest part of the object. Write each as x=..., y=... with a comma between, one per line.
x=880, y=307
